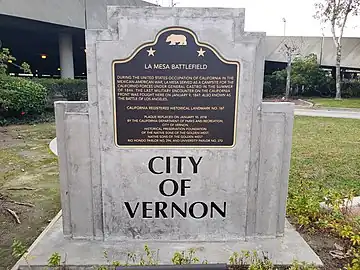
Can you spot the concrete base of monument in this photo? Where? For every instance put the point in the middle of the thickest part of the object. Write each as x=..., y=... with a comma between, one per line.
x=85, y=254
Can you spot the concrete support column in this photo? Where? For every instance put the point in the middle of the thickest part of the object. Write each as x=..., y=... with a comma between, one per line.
x=66, y=56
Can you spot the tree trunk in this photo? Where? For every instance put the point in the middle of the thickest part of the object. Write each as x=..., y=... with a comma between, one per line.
x=288, y=78
x=338, y=75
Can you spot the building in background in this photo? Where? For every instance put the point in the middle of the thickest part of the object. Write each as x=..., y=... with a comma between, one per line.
x=50, y=35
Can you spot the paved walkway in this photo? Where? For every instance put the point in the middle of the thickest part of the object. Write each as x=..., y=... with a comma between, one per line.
x=337, y=113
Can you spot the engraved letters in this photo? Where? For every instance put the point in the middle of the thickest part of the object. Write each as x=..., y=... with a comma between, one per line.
x=169, y=187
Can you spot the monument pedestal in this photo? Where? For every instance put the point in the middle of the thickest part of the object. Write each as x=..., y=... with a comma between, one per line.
x=85, y=254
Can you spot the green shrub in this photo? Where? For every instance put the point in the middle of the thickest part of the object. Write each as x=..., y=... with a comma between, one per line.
x=20, y=96
x=307, y=79
x=350, y=89
x=46, y=117
x=274, y=84
x=69, y=89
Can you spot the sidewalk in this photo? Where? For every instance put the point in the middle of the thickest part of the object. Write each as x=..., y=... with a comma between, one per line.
x=328, y=112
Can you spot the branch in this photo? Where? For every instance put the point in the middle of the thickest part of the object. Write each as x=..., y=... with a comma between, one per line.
x=15, y=216
x=333, y=22
x=347, y=11
x=24, y=204
x=21, y=188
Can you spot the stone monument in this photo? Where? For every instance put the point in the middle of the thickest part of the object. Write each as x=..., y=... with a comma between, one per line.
x=174, y=147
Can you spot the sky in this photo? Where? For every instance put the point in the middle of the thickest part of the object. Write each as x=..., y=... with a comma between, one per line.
x=267, y=16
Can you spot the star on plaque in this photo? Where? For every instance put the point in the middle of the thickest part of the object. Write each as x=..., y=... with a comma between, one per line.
x=151, y=52
x=201, y=52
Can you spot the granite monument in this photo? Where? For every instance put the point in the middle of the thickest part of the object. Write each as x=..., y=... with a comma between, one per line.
x=174, y=147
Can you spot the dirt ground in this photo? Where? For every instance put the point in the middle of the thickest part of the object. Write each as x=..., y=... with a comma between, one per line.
x=323, y=243
x=29, y=176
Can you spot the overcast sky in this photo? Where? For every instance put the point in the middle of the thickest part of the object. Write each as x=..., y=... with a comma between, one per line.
x=267, y=15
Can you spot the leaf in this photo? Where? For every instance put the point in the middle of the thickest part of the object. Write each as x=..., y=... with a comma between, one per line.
x=338, y=247
x=337, y=254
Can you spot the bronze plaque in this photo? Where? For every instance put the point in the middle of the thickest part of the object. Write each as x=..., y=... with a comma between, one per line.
x=175, y=92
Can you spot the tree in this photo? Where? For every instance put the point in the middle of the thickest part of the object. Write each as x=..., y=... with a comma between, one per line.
x=6, y=58
x=306, y=75
x=336, y=12
x=290, y=48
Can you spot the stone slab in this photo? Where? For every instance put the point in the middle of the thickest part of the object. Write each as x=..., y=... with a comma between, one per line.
x=121, y=175
x=84, y=254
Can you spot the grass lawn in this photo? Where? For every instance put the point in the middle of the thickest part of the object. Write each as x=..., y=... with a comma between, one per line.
x=326, y=151
x=325, y=162
x=25, y=161
x=330, y=102
x=326, y=155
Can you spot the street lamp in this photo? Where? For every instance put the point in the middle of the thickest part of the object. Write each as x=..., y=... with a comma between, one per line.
x=284, y=21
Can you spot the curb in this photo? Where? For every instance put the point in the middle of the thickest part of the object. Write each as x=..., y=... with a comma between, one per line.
x=310, y=104
x=338, y=109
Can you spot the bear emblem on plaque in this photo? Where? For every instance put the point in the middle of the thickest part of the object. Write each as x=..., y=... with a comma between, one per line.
x=176, y=40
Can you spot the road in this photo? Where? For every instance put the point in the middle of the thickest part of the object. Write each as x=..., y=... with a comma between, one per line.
x=328, y=113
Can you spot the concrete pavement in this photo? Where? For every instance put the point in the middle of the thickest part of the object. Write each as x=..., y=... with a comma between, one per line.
x=336, y=113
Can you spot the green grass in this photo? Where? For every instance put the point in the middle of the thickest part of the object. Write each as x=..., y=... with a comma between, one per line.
x=326, y=152
x=325, y=166
x=25, y=161
x=332, y=103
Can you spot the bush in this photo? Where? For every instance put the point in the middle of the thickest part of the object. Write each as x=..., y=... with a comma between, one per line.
x=307, y=79
x=350, y=89
x=20, y=96
x=274, y=84
x=69, y=89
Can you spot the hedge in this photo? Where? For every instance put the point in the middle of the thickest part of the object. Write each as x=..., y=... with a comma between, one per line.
x=19, y=96
x=276, y=87
x=63, y=89
x=25, y=100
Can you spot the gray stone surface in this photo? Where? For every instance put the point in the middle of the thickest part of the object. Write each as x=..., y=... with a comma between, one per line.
x=81, y=254
x=269, y=201
x=268, y=206
x=124, y=175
